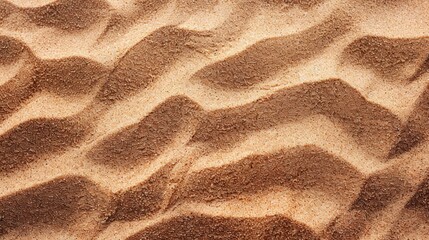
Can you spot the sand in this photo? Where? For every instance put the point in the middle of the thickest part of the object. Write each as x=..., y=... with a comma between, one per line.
x=214, y=119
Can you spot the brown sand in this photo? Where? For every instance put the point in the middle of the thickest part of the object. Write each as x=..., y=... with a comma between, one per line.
x=214, y=119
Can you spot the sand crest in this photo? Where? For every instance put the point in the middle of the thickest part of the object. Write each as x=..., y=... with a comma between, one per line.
x=214, y=119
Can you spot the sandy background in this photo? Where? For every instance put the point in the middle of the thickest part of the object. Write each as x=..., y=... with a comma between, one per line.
x=214, y=119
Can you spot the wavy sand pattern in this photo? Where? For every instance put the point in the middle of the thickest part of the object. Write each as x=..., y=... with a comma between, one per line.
x=214, y=119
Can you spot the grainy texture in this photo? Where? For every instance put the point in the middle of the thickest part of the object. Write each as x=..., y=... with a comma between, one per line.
x=214, y=119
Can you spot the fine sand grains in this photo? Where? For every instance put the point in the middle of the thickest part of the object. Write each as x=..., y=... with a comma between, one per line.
x=214, y=119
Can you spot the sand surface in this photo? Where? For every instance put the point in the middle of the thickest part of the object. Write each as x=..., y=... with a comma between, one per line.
x=214, y=119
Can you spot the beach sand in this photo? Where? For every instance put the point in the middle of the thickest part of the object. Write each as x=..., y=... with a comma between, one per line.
x=214, y=119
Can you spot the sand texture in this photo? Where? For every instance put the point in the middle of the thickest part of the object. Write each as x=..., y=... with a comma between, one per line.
x=214, y=119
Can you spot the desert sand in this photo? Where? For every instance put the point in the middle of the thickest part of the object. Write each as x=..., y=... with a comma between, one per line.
x=214, y=119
